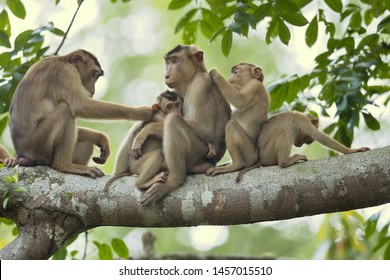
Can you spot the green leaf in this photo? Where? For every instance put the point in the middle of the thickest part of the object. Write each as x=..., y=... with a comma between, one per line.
x=120, y=248
x=286, y=6
x=371, y=122
x=271, y=29
x=226, y=43
x=5, y=202
x=312, y=32
x=4, y=40
x=184, y=21
x=105, y=252
x=5, y=24
x=216, y=34
x=60, y=254
x=22, y=39
x=17, y=8
x=296, y=19
x=386, y=254
x=263, y=11
x=384, y=25
x=335, y=5
x=356, y=20
x=284, y=32
x=329, y=129
x=177, y=4
x=370, y=225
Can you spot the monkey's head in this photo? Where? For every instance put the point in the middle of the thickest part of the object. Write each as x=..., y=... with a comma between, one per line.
x=88, y=67
x=181, y=65
x=307, y=139
x=169, y=101
x=243, y=72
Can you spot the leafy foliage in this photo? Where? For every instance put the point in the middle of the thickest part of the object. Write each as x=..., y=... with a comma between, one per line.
x=27, y=48
x=347, y=72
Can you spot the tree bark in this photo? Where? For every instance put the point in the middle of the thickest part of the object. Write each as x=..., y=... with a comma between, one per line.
x=58, y=206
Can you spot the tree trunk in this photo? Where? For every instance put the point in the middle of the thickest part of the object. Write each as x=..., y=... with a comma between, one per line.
x=58, y=206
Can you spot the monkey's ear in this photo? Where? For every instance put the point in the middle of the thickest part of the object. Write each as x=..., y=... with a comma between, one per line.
x=199, y=56
x=76, y=58
x=257, y=72
x=315, y=122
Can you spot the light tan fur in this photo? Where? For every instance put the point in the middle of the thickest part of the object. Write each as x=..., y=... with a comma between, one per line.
x=246, y=92
x=52, y=95
x=6, y=158
x=141, y=151
x=188, y=140
x=280, y=132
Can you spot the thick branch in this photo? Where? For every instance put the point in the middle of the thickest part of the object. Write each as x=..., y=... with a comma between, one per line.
x=59, y=205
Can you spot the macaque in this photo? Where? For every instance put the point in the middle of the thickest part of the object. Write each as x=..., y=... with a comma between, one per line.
x=141, y=151
x=205, y=115
x=5, y=157
x=52, y=95
x=280, y=132
x=246, y=92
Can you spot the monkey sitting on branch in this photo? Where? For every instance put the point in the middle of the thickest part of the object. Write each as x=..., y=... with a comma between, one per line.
x=281, y=131
x=5, y=157
x=141, y=151
x=186, y=138
x=246, y=92
x=54, y=93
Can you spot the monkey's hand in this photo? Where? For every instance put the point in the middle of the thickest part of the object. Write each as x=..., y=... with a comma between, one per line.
x=104, y=146
x=9, y=162
x=154, y=193
x=213, y=73
x=358, y=150
x=139, y=140
x=212, y=150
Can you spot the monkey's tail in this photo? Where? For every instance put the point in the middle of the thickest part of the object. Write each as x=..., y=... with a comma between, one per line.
x=245, y=170
x=115, y=177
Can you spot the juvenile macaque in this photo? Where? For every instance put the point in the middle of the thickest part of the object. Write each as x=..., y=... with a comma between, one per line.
x=205, y=114
x=145, y=158
x=280, y=132
x=52, y=95
x=246, y=92
x=6, y=158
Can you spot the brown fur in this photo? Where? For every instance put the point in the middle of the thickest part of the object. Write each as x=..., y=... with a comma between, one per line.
x=246, y=92
x=141, y=151
x=205, y=114
x=280, y=132
x=52, y=95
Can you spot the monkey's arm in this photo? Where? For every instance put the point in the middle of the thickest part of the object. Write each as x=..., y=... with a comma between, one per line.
x=89, y=108
x=97, y=138
x=333, y=144
x=241, y=100
x=151, y=129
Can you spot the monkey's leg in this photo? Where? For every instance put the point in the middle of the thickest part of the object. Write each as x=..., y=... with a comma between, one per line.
x=82, y=152
x=183, y=149
x=241, y=148
x=291, y=160
x=63, y=141
x=147, y=167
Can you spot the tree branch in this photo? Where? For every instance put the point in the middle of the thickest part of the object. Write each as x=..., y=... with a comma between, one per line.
x=58, y=206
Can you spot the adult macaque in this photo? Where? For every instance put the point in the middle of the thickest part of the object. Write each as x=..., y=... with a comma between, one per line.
x=280, y=132
x=205, y=114
x=246, y=92
x=52, y=95
x=6, y=158
x=146, y=159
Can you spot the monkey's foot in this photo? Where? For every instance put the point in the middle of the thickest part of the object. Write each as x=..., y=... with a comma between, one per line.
x=159, y=178
x=92, y=172
x=201, y=168
x=154, y=193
